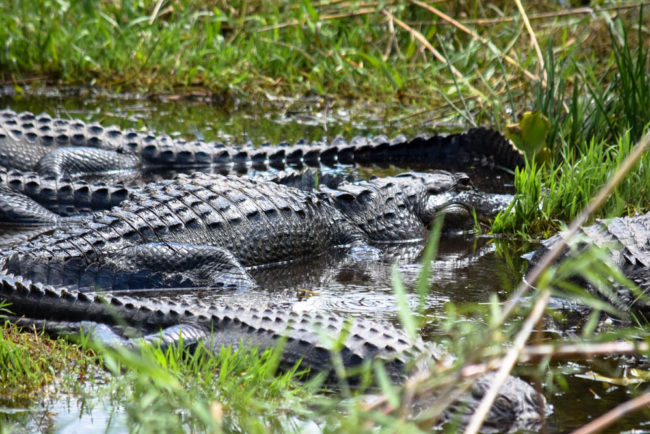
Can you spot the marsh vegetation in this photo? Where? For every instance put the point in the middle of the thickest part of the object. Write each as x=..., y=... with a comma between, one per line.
x=381, y=67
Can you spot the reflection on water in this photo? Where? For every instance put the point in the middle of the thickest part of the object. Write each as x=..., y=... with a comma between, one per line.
x=65, y=416
x=274, y=122
x=335, y=282
x=467, y=269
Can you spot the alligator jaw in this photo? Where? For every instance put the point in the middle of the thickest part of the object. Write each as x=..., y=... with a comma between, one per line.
x=457, y=216
x=460, y=207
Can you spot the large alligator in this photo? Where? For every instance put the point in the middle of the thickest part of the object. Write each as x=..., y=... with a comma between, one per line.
x=627, y=239
x=70, y=197
x=203, y=230
x=60, y=147
x=307, y=338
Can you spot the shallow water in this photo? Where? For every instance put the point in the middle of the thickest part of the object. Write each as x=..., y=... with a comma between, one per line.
x=468, y=269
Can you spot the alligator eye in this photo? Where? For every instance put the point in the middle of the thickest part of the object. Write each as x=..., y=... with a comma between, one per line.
x=464, y=182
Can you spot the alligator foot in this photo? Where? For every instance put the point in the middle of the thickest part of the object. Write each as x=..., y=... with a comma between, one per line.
x=364, y=252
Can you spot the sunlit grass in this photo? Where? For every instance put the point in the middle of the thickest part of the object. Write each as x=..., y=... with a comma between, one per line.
x=29, y=362
x=592, y=130
x=361, y=50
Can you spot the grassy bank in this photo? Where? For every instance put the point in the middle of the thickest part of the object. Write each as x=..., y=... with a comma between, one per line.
x=595, y=116
x=389, y=52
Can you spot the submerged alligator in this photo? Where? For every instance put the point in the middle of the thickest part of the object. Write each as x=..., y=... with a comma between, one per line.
x=59, y=147
x=304, y=336
x=627, y=239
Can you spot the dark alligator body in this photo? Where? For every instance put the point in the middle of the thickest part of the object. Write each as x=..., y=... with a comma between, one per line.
x=43, y=158
x=67, y=197
x=59, y=147
x=627, y=239
x=304, y=336
x=208, y=230
x=203, y=230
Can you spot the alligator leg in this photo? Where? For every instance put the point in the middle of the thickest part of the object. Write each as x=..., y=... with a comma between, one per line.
x=79, y=160
x=178, y=265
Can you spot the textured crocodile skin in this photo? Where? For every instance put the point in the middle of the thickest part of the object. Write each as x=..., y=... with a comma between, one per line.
x=47, y=145
x=307, y=338
x=627, y=239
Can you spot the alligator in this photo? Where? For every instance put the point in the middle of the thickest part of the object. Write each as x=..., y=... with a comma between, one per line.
x=306, y=338
x=627, y=240
x=70, y=197
x=205, y=229
x=60, y=147
x=209, y=230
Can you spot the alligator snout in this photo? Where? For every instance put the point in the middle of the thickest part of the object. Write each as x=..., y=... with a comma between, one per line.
x=459, y=207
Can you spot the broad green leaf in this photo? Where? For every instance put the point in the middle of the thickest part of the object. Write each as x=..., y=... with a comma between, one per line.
x=530, y=133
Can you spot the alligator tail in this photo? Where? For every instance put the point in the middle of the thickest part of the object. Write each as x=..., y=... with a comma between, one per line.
x=63, y=196
x=20, y=132
x=476, y=147
x=307, y=337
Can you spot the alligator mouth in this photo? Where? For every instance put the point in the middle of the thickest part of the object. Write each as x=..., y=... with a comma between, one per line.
x=460, y=207
x=457, y=213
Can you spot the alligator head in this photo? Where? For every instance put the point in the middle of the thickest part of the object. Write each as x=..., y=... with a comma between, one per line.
x=452, y=194
x=402, y=207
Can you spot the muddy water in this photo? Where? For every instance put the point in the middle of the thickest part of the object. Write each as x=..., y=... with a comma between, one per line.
x=468, y=268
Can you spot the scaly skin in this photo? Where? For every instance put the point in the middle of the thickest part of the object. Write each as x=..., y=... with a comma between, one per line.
x=193, y=229
x=256, y=222
x=59, y=147
x=68, y=197
x=306, y=336
x=628, y=241
x=65, y=196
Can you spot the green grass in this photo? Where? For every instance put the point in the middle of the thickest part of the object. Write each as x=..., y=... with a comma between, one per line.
x=245, y=49
x=546, y=198
x=605, y=115
x=29, y=362
x=231, y=49
x=175, y=389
